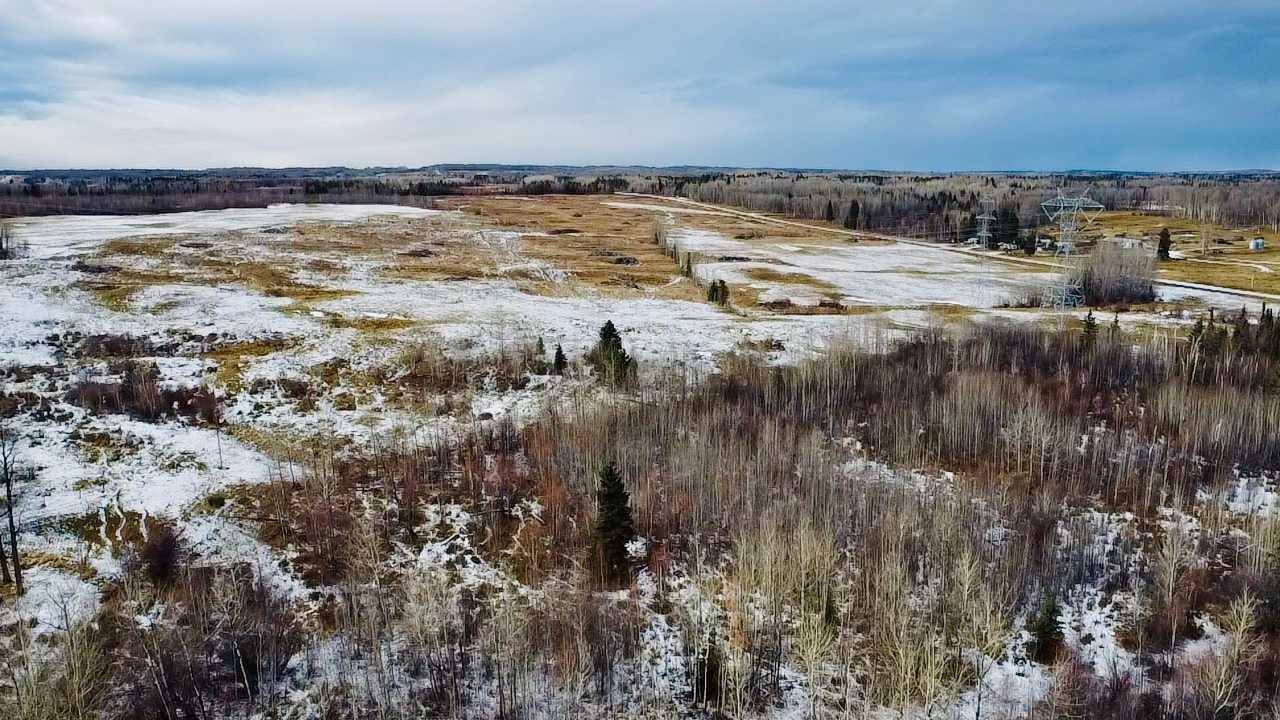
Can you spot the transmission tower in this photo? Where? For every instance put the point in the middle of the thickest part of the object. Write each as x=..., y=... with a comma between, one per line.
x=1071, y=214
x=988, y=205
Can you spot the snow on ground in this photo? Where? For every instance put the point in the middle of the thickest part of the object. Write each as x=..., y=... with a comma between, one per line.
x=204, y=310
x=60, y=236
x=1252, y=496
x=1209, y=298
x=164, y=469
x=1090, y=625
x=663, y=208
x=56, y=600
x=1010, y=687
x=893, y=274
x=218, y=541
x=652, y=329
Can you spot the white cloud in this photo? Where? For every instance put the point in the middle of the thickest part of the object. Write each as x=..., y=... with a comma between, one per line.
x=915, y=84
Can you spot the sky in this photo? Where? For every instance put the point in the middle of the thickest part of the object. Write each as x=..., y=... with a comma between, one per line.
x=902, y=85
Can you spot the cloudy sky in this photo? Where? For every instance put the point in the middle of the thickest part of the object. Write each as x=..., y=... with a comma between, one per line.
x=909, y=84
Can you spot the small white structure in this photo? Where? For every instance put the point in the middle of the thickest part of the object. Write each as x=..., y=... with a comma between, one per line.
x=1257, y=244
x=1128, y=243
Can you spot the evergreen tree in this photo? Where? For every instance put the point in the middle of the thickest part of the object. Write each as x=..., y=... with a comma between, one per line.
x=851, y=217
x=608, y=358
x=1165, y=244
x=718, y=292
x=613, y=521
x=1046, y=631
x=1212, y=340
x=1197, y=330
x=560, y=363
x=1241, y=333
x=1090, y=334
x=1007, y=228
x=539, y=364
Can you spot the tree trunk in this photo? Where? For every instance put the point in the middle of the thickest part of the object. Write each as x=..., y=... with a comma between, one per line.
x=13, y=530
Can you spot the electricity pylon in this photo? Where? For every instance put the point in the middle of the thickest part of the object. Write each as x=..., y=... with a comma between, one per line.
x=1071, y=214
x=985, y=219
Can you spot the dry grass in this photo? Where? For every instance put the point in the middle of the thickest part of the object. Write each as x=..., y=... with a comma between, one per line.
x=113, y=528
x=1225, y=273
x=610, y=250
x=235, y=357
x=117, y=288
x=791, y=278
x=1230, y=262
x=271, y=280
x=367, y=324
x=143, y=247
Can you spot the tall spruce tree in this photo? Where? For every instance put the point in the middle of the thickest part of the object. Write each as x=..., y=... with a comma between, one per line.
x=614, y=528
x=1090, y=334
x=560, y=363
x=608, y=358
x=1165, y=244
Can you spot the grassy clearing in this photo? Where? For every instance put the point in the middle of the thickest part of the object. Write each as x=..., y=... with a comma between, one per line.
x=233, y=358
x=368, y=324
x=608, y=250
x=117, y=288
x=789, y=278
x=951, y=312
x=144, y=247
x=273, y=281
x=1228, y=262
x=1231, y=275
x=112, y=528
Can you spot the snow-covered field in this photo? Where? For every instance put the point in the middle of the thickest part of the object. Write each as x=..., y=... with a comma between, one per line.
x=874, y=275
x=179, y=283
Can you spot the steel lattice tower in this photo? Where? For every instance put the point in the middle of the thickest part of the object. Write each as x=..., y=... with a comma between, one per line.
x=987, y=217
x=1071, y=214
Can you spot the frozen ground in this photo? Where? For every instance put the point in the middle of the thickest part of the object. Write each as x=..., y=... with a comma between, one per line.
x=69, y=235
x=98, y=477
x=868, y=274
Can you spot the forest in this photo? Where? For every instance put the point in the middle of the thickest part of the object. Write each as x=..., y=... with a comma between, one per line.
x=936, y=207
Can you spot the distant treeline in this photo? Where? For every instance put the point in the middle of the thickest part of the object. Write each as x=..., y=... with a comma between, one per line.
x=173, y=194
x=940, y=206
x=945, y=206
x=143, y=192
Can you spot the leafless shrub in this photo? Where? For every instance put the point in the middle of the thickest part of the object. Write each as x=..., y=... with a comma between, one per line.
x=761, y=493
x=116, y=346
x=140, y=395
x=161, y=554
x=425, y=369
x=1114, y=274
x=11, y=245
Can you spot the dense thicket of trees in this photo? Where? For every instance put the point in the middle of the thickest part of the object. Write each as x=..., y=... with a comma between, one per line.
x=941, y=206
x=944, y=206
x=128, y=195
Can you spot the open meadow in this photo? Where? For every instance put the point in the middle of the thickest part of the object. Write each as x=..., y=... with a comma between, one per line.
x=610, y=455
